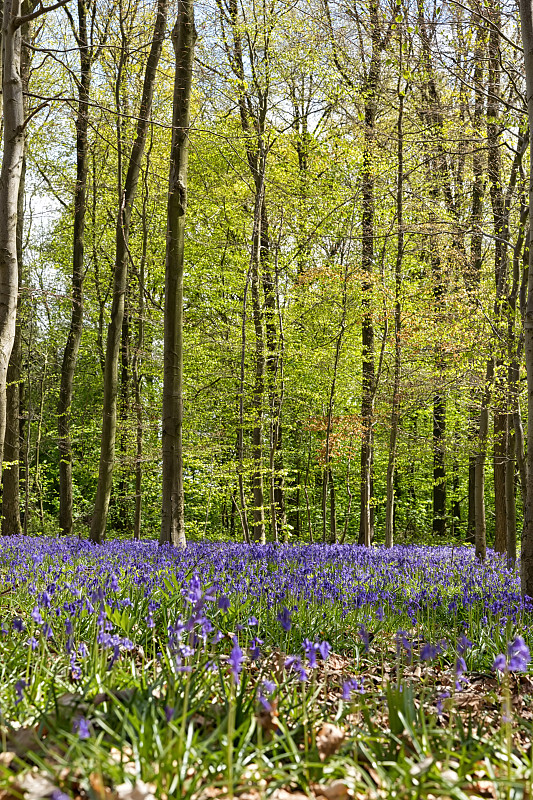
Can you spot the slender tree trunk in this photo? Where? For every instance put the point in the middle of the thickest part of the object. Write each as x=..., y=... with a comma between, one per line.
x=259, y=380
x=11, y=524
x=70, y=354
x=476, y=245
x=173, y=509
x=481, y=453
x=240, y=428
x=395, y=416
x=109, y=423
x=366, y=532
x=10, y=175
x=510, y=500
x=526, y=558
x=136, y=364
x=494, y=171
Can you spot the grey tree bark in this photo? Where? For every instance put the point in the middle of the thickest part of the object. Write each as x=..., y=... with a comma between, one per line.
x=173, y=511
x=70, y=354
x=395, y=416
x=526, y=558
x=10, y=177
x=109, y=423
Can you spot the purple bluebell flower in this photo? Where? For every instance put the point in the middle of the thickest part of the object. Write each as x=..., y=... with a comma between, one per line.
x=440, y=702
x=285, y=619
x=463, y=644
x=19, y=690
x=518, y=657
x=324, y=649
x=265, y=691
x=224, y=602
x=352, y=686
x=255, y=649
x=402, y=641
x=169, y=713
x=460, y=669
x=294, y=663
x=81, y=727
x=365, y=637
x=235, y=660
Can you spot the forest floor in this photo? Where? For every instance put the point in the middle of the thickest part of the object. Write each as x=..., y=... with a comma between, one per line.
x=132, y=672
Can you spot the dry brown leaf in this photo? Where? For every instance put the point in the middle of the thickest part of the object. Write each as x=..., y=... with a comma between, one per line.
x=249, y=794
x=421, y=767
x=333, y=791
x=328, y=740
x=23, y=740
x=268, y=719
x=7, y=757
x=482, y=788
x=450, y=776
x=5, y=794
x=283, y=794
x=35, y=786
x=137, y=791
x=97, y=785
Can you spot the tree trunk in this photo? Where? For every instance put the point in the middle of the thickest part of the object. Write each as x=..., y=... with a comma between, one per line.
x=439, y=466
x=173, y=507
x=10, y=176
x=476, y=251
x=395, y=415
x=494, y=170
x=70, y=355
x=257, y=431
x=526, y=560
x=366, y=532
x=11, y=524
x=510, y=500
x=109, y=423
x=136, y=365
x=481, y=452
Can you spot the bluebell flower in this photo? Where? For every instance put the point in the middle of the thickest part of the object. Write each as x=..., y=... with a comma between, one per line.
x=284, y=618
x=294, y=663
x=81, y=727
x=57, y=794
x=255, y=649
x=235, y=661
x=223, y=602
x=351, y=687
x=19, y=690
x=518, y=657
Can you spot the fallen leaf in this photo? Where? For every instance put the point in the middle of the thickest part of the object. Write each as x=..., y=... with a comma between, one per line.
x=333, y=791
x=421, y=767
x=137, y=791
x=328, y=740
x=6, y=758
x=35, y=786
x=283, y=794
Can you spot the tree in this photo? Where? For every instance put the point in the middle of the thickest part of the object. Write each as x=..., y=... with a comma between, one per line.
x=173, y=514
x=127, y=197
x=526, y=558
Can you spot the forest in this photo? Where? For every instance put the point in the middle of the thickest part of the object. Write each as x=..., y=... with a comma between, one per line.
x=354, y=273
x=266, y=383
